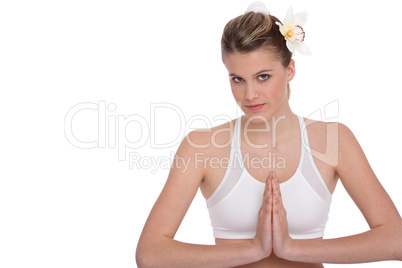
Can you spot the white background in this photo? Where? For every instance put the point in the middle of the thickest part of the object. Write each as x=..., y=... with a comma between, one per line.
x=64, y=206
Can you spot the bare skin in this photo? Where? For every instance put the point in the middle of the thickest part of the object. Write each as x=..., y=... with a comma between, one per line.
x=259, y=78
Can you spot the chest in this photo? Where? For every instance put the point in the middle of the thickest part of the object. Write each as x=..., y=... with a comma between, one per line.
x=283, y=158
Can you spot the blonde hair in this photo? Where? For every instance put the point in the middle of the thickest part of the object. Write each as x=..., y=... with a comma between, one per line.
x=252, y=31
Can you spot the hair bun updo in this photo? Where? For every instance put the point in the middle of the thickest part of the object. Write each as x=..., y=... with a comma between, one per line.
x=255, y=29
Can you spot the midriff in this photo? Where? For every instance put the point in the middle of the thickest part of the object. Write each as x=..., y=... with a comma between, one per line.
x=272, y=261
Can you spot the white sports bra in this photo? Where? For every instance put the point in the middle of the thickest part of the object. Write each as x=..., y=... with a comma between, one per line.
x=234, y=205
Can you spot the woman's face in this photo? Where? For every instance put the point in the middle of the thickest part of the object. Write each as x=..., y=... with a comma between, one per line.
x=259, y=83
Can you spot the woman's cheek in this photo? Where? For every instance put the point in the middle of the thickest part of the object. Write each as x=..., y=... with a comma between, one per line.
x=277, y=89
x=237, y=94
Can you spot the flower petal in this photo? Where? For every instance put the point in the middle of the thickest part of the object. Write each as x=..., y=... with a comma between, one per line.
x=289, y=19
x=291, y=46
x=258, y=6
x=300, y=18
x=280, y=28
x=303, y=49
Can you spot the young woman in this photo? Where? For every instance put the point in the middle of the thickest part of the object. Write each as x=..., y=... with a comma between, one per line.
x=268, y=213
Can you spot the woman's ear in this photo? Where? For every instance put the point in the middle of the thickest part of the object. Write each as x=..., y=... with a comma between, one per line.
x=291, y=69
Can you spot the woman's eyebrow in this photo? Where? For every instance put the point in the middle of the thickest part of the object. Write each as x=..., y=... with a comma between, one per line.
x=262, y=71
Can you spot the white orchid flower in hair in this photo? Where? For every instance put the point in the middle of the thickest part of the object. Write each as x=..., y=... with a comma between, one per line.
x=293, y=32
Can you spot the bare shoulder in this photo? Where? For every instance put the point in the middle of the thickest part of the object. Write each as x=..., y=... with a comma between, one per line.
x=346, y=136
x=201, y=145
x=324, y=140
x=321, y=127
x=331, y=135
x=209, y=140
x=350, y=150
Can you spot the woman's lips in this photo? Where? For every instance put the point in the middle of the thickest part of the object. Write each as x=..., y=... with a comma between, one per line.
x=255, y=107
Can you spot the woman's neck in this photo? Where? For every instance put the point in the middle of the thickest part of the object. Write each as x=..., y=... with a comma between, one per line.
x=271, y=129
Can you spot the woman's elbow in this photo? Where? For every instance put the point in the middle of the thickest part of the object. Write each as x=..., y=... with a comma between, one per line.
x=399, y=257
x=399, y=253
x=398, y=236
x=144, y=258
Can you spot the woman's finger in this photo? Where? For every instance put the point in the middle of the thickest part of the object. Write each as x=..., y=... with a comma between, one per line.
x=266, y=207
x=278, y=199
x=268, y=187
x=269, y=183
x=277, y=188
x=264, y=225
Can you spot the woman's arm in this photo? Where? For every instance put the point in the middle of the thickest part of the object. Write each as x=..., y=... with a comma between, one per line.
x=384, y=239
x=157, y=247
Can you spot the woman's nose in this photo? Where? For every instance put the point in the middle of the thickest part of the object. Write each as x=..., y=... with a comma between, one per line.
x=251, y=91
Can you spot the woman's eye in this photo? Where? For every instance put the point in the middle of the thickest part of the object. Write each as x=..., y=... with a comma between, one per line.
x=237, y=79
x=263, y=77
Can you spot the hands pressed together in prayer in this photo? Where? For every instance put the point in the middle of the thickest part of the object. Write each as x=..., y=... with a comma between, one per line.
x=272, y=227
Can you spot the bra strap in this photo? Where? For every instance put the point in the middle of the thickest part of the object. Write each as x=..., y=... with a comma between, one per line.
x=233, y=172
x=309, y=169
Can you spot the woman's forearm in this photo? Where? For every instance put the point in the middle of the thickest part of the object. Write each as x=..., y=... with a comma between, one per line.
x=167, y=252
x=377, y=244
